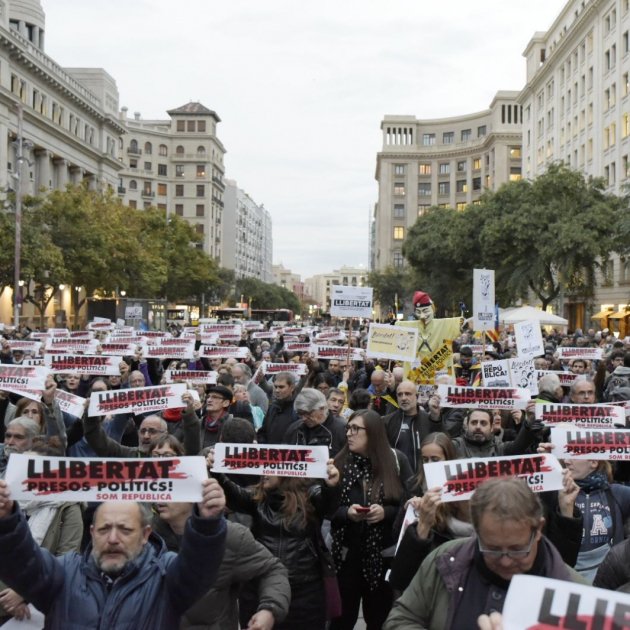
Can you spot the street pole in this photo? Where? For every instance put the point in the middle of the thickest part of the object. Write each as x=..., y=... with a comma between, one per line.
x=18, y=219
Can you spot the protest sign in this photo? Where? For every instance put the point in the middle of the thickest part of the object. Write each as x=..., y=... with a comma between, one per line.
x=459, y=478
x=28, y=347
x=438, y=362
x=82, y=334
x=483, y=397
x=540, y=603
x=483, y=299
x=338, y=352
x=529, y=341
x=136, y=400
x=229, y=329
x=280, y=460
x=38, y=361
x=165, y=350
x=297, y=346
x=265, y=334
x=70, y=403
x=299, y=369
x=191, y=376
x=510, y=373
x=478, y=348
x=590, y=354
x=585, y=416
x=566, y=378
x=224, y=352
x=495, y=373
x=392, y=342
x=118, y=348
x=82, y=364
x=36, y=478
x=26, y=381
x=606, y=444
x=103, y=324
x=63, y=345
x=351, y=301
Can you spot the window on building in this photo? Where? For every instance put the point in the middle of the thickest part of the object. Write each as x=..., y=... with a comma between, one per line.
x=181, y=125
x=476, y=183
x=201, y=126
x=399, y=211
x=466, y=135
x=179, y=209
x=399, y=233
x=162, y=170
x=399, y=189
x=445, y=168
x=201, y=170
x=146, y=189
x=179, y=170
x=424, y=169
x=461, y=166
x=448, y=137
x=148, y=148
x=179, y=190
x=461, y=186
x=163, y=150
x=179, y=149
x=515, y=173
x=133, y=185
x=161, y=190
x=133, y=203
x=423, y=208
x=399, y=169
x=201, y=190
x=428, y=139
x=481, y=131
x=190, y=125
x=148, y=166
x=424, y=189
x=515, y=153
x=460, y=206
x=397, y=259
x=200, y=210
x=444, y=188
x=201, y=150
x=476, y=164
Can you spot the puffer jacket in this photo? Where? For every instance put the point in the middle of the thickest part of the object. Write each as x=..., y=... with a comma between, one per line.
x=151, y=594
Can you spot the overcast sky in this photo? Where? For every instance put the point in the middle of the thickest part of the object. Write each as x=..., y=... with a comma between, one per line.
x=301, y=88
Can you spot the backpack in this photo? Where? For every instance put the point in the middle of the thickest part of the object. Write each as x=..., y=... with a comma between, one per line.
x=615, y=382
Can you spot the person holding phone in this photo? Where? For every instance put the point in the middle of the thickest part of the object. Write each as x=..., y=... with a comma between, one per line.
x=373, y=487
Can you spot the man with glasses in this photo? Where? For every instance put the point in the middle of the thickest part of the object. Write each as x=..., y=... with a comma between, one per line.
x=582, y=391
x=468, y=577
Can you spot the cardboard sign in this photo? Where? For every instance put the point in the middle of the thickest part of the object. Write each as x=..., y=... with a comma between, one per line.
x=606, y=444
x=299, y=369
x=585, y=416
x=538, y=603
x=459, y=478
x=26, y=381
x=224, y=352
x=83, y=364
x=483, y=397
x=529, y=341
x=438, y=362
x=192, y=376
x=351, y=301
x=136, y=400
x=483, y=299
x=70, y=403
x=590, y=354
x=35, y=478
x=392, y=342
x=280, y=460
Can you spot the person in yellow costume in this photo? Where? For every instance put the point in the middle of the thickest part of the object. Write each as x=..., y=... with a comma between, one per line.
x=435, y=337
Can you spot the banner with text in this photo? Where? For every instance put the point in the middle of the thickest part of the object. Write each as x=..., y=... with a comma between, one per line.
x=529, y=341
x=483, y=397
x=584, y=416
x=24, y=381
x=483, y=299
x=191, y=376
x=83, y=364
x=351, y=301
x=398, y=343
x=136, y=400
x=606, y=444
x=70, y=403
x=590, y=354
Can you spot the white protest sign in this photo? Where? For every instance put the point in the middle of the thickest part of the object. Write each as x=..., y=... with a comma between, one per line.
x=584, y=416
x=483, y=299
x=566, y=378
x=495, y=373
x=483, y=397
x=280, y=460
x=338, y=352
x=459, y=478
x=398, y=343
x=523, y=374
x=133, y=312
x=82, y=364
x=297, y=346
x=540, y=603
x=70, y=403
x=117, y=348
x=351, y=301
x=529, y=341
x=68, y=345
x=25, y=381
x=136, y=400
x=28, y=347
x=35, y=478
x=165, y=350
x=38, y=361
x=299, y=369
x=192, y=376
x=224, y=352
x=100, y=323
x=590, y=354
x=606, y=444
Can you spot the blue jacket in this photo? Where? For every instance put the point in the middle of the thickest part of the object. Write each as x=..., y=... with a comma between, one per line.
x=151, y=594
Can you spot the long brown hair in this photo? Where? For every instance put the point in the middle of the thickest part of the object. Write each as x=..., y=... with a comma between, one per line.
x=296, y=507
x=381, y=456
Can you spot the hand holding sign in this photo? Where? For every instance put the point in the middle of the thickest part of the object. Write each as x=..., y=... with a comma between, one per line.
x=212, y=499
x=6, y=504
x=493, y=621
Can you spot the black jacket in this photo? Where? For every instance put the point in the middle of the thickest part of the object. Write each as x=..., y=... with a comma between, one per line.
x=279, y=417
x=331, y=433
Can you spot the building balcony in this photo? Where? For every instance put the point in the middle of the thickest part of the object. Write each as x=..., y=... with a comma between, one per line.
x=148, y=193
x=132, y=151
x=121, y=190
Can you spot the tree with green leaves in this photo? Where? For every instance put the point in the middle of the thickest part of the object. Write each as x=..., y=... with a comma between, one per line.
x=259, y=294
x=391, y=288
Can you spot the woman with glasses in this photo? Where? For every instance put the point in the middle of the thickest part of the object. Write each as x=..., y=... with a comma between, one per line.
x=468, y=578
x=373, y=487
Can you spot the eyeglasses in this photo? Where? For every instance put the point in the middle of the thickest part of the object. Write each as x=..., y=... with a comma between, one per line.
x=154, y=454
x=216, y=397
x=353, y=429
x=150, y=431
x=17, y=436
x=514, y=554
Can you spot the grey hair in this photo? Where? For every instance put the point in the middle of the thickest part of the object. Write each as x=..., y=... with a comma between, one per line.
x=548, y=383
x=309, y=399
x=144, y=509
x=288, y=377
x=582, y=378
x=246, y=369
x=29, y=425
x=163, y=423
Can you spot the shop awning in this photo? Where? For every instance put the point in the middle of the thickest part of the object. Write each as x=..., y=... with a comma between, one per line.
x=620, y=315
x=602, y=315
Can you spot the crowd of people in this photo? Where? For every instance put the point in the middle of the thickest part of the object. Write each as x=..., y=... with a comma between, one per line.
x=293, y=553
